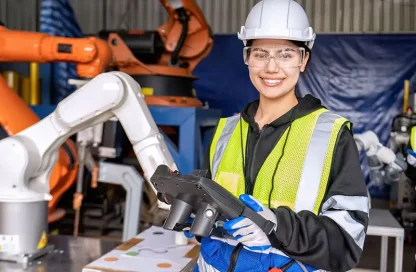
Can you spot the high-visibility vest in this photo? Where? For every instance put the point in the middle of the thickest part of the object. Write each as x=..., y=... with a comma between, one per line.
x=413, y=138
x=302, y=175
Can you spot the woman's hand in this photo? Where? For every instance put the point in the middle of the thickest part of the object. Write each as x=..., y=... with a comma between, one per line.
x=246, y=231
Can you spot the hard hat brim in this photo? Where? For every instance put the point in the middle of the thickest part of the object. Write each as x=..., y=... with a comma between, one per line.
x=307, y=35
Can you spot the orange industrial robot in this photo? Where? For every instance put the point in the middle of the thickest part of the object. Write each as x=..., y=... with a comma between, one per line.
x=92, y=56
x=162, y=61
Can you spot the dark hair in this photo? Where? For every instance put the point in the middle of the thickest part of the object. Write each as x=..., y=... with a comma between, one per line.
x=297, y=43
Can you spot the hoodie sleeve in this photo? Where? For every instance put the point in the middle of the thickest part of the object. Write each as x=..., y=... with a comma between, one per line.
x=332, y=240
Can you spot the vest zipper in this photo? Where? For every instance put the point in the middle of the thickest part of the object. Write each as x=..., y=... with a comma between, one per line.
x=251, y=184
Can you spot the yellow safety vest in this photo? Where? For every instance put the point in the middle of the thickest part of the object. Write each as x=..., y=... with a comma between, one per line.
x=413, y=138
x=302, y=175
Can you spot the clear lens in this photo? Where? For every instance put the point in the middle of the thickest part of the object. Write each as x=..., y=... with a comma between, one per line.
x=284, y=57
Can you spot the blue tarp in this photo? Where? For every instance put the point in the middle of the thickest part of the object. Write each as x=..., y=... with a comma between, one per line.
x=358, y=76
x=57, y=18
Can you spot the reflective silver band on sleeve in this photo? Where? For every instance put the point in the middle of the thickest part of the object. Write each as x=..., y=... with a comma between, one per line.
x=355, y=229
x=337, y=207
x=349, y=203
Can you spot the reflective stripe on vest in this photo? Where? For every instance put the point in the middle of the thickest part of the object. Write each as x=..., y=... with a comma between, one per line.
x=302, y=174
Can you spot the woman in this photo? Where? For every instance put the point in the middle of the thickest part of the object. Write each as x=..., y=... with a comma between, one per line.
x=289, y=159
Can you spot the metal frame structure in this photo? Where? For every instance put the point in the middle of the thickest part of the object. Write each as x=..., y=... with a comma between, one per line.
x=129, y=178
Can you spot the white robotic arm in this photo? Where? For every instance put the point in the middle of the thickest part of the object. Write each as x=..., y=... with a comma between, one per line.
x=28, y=157
x=384, y=164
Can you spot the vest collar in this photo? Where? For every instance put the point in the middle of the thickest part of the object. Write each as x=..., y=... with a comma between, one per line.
x=306, y=105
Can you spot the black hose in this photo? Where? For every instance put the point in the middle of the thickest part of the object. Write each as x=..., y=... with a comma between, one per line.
x=234, y=257
x=288, y=265
x=183, y=18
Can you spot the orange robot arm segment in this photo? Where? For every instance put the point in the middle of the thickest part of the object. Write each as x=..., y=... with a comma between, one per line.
x=99, y=63
x=25, y=46
x=11, y=107
x=91, y=54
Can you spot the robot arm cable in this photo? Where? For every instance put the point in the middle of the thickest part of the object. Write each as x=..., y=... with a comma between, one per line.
x=183, y=19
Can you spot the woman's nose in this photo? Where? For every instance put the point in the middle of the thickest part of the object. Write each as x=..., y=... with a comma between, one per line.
x=272, y=66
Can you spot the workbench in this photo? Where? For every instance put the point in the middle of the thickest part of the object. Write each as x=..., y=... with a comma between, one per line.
x=70, y=254
x=153, y=250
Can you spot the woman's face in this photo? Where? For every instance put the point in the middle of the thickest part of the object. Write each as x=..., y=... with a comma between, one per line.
x=274, y=66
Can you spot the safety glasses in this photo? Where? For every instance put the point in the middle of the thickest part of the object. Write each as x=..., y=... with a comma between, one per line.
x=283, y=56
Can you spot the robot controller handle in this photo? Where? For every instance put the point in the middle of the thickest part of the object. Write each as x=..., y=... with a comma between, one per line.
x=266, y=225
x=205, y=198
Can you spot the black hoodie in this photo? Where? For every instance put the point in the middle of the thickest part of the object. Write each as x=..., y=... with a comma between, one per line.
x=314, y=240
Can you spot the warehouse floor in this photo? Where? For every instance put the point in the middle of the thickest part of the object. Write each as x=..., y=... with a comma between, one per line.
x=372, y=250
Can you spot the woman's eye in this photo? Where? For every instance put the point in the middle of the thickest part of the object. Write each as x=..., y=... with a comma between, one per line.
x=285, y=56
x=260, y=55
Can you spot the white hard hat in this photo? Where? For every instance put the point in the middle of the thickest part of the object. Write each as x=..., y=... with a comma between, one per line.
x=277, y=19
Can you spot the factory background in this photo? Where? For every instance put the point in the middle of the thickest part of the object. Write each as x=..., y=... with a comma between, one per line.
x=225, y=17
x=364, y=58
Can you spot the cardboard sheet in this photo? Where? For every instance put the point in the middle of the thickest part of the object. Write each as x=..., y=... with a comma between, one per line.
x=153, y=250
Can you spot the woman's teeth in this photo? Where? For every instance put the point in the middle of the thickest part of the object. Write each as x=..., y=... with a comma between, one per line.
x=271, y=82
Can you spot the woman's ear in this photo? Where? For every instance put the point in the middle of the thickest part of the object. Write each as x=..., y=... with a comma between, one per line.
x=305, y=62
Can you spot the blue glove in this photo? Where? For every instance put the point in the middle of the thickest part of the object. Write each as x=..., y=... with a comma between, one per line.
x=411, y=157
x=246, y=231
x=186, y=232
